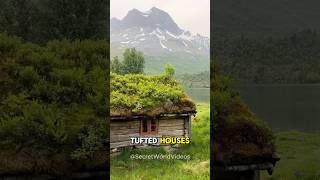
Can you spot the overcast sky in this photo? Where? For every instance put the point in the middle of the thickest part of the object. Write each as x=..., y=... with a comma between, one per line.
x=190, y=15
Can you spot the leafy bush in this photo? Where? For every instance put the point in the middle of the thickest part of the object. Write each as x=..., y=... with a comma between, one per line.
x=51, y=94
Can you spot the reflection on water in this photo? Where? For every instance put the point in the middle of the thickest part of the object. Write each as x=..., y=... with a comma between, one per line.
x=285, y=107
x=199, y=95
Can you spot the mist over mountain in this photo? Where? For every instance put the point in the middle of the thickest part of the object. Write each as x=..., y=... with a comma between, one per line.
x=161, y=40
x=265, y=16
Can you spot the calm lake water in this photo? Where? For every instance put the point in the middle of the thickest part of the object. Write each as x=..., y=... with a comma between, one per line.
x=285, y=107
x=199, y=95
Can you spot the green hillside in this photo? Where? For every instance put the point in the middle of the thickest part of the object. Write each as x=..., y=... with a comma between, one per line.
x=267, y=41
x=288, y=59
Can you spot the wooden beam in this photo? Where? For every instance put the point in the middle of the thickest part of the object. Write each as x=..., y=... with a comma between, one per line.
x=189, y=126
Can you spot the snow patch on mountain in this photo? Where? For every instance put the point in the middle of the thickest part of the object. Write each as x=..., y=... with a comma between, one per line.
x=154, y=32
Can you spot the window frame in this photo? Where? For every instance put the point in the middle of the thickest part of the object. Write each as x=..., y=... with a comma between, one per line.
x=149, y=126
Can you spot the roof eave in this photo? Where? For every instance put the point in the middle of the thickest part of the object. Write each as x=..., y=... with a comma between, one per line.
x=184, y=114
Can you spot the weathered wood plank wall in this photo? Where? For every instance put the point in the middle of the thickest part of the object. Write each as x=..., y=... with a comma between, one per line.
x=122, y=130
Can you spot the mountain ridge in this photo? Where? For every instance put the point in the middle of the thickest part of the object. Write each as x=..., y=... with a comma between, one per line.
x=157, y=35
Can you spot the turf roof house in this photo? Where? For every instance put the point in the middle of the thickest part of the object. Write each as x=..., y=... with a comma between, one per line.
x=147, y=106
x=244, y=145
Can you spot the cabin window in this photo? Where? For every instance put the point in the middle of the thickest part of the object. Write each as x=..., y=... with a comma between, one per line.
x=149, y=126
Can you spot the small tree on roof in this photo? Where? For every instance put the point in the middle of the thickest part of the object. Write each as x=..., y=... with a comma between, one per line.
x=169, y=70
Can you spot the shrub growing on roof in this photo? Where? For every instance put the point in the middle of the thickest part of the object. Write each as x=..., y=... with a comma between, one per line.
x=147, y=94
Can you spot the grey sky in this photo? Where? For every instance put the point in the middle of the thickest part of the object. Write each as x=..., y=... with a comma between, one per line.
x=190, y=15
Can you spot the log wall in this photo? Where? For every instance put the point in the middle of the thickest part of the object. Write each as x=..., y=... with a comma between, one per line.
x=122, y=130
x=171, y=127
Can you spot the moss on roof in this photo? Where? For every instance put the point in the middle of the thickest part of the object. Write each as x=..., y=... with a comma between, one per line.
x=151, y=95
x=239, y=135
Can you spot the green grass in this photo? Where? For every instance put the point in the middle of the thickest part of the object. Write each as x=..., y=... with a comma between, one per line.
x=300, y=156
x=198, y=167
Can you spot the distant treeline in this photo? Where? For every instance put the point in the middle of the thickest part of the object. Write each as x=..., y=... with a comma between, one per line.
x=42, y=20
x=294, y=58
x=195, y=80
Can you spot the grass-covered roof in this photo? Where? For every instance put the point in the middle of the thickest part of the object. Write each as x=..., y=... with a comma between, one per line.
x=150, y=95
x=239, y=135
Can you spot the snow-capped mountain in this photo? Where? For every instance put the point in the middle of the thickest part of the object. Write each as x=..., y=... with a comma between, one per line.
x=157, y=35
